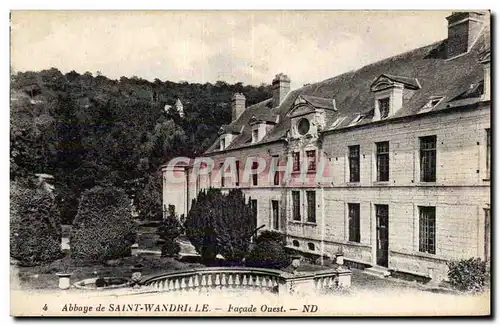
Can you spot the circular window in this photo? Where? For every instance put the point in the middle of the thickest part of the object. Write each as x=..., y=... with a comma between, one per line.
x=303, y=126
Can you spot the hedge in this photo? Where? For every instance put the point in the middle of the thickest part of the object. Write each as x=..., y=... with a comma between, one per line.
x=35, y=230
x=268, y=254
x=104, y=228
x=468, y=274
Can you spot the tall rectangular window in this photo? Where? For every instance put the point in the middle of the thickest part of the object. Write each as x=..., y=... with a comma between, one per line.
x=253, y=206
x=428, y=159
x=488, y=153
x=296, y=161
x=296, y=205
x=427, y=229
x=383, y=106
x=237, y=174
x=221, y=175
x=275, y=214
x=354, y=163
x=311, y=160
x=383, y=161
x=354, y=223
x=255, y=181
x=276, y=173
x=311, y=206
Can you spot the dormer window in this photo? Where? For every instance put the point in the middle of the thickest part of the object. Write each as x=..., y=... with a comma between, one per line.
x=432, y=103
x=261, y=125
x=389, y=93
x=308, y=116
x=255, y=135
x=383, y=106
x=338, y=122
x=358, y=118
x=227, y=134
x=222, y=143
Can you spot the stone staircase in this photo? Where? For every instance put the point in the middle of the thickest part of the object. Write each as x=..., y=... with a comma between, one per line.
x=378, y=271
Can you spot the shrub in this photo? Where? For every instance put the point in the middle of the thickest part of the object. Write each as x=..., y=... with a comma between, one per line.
x=35, y=230
x=148, y=199
x=220, y=224
x=468, y=274
x=104, y=228
x=170, y=229
x=268, y=254
x=271, y=236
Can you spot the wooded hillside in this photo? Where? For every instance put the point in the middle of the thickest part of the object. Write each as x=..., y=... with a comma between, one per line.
x=91, y=130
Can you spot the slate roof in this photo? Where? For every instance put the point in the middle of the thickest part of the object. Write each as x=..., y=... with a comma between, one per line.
x=458, y=79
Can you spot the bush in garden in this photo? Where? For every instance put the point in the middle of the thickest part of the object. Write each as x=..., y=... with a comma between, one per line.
x=148, y=200
x=468, y=274
x=220, y=224
x=268, y=254
x=104, y=228
x=170, y=229
x=268, y=235
x=35, y=230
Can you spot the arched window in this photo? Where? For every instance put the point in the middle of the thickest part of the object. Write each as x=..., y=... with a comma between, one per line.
x=295, y=243
x=310, y=246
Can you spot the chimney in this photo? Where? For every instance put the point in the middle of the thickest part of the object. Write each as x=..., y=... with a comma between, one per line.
x=281, y=87
x=463, y=30
x=237, y=105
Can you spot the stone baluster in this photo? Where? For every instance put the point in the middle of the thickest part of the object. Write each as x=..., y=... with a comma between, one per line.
x=183, y=283
x=170, y=285
x=223, y=280
x=230, y=281
x=237, y=281
x=190, y=283
x=217, y=280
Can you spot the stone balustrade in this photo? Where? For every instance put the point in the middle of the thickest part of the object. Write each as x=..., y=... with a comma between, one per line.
x=210, y=279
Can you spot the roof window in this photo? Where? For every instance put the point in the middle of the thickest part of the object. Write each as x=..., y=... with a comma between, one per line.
x=432, y=103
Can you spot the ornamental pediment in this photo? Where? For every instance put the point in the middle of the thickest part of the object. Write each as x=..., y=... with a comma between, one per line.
x=301, y=109
x=385, y=81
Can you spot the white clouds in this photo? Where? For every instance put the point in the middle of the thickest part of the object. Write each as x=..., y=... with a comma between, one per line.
x=207, y=46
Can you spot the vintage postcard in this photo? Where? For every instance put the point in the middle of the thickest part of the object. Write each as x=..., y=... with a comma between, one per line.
x=250, y=163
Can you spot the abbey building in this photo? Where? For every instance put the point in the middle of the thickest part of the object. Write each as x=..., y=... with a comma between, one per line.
x=404, y=145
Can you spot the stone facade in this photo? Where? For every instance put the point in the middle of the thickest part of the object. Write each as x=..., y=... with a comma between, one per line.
x=404, y=238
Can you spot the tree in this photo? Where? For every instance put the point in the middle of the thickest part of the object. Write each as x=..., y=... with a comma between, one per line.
x=35, y=231
x=170, y=229
x=104, y=227
x=90, y=130
x=220, y=224
x=148, y=200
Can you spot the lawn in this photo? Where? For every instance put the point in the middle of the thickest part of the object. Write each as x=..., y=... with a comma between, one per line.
x=44, y=276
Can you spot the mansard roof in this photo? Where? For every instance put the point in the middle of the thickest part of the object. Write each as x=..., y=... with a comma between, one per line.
x=456, y=80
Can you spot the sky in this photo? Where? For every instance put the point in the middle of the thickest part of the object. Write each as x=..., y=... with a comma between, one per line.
x=207, y=46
